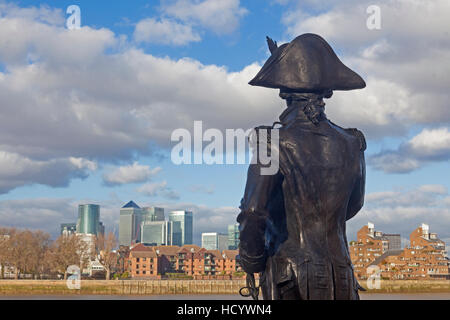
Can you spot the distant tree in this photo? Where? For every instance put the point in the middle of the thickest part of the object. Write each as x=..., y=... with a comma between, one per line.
x=107, y=256
x=25, y=250
x=124, y=253
x=5, y=236
x=68, y=250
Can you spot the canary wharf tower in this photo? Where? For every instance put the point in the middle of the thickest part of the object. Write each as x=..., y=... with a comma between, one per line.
x=88, y=219
x=186, y=223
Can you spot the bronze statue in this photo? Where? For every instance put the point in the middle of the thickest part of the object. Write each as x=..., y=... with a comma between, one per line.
x=292, y=223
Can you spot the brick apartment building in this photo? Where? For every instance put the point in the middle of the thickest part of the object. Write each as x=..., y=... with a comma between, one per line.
x=151, y=262
x=143, y=262
x=424, y=258
x=370, y=245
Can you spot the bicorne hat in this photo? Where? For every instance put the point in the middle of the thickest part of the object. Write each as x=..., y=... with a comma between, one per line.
x=306, y=64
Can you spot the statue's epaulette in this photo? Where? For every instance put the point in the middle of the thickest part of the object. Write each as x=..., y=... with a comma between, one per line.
x=355, y=132
x=360, y=136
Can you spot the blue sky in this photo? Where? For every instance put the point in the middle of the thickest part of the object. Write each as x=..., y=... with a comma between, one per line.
x=109, y=95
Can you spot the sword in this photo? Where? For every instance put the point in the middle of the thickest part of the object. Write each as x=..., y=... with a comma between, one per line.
x=252, y=289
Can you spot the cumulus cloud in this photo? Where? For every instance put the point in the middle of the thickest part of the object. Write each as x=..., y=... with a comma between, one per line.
x=165, y=31
x=40, y=214
x=404, y=63
x=87, y=94
x=201, y=189
x=183, y=21
x=17, y=170
x=158, y=189
x=413, y=206
x=129, y=174
x=427, y=146
x=220, y=16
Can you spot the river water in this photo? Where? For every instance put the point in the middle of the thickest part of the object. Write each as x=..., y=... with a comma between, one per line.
x=374, y=296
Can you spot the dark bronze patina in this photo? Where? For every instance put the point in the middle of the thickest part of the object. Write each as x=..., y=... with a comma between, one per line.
x=292, y=224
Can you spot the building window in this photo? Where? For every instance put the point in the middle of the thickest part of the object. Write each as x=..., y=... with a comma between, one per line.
x=137, y=259
x=144, y=272
x=144, y=259
x=137, y=271
x=137, y=266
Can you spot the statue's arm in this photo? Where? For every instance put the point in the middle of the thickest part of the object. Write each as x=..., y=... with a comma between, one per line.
x=356, y=201
x=253, y=218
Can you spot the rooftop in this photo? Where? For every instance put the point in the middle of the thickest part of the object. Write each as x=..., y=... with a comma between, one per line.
x=131, y=204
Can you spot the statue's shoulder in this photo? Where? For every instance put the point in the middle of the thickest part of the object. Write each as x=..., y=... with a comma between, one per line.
x=356, y=133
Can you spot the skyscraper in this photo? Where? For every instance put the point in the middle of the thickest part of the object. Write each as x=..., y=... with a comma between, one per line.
x=153, y=214
x=186, y=225
x=88, y=219
x=214, y=241
x=233, y=236
x=68, y=228
x=158, y=232
x=130, y=224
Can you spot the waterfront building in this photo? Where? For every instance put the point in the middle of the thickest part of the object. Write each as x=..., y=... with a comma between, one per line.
x=233, y=236
x=423, y=259
x=185, y=218
x=153, y=262
x=394, y=241
x=143, y=262
x=130, y=224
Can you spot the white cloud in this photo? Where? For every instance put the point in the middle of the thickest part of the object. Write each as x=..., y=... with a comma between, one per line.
x=404, y=63
x=427, y=146
x=129, y=174
x=158, y=189
x=165, y=31
x=434, y=188
x=43, y=214
x=431, y=143
x=63, y=96
x=220, y=16
x=201, y=189
x=17, y=170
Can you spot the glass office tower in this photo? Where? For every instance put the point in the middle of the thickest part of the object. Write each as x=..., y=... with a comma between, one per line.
x=214, y=241
x=153, y=214
x=88, y=219
x=185, y=218
x=155, y=232
x=233, y=236
x=130, y=224
x=68, y=228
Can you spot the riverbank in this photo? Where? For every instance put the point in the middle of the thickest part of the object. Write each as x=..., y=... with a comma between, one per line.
x=184, y=287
